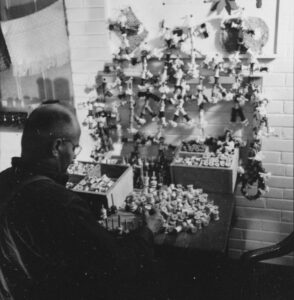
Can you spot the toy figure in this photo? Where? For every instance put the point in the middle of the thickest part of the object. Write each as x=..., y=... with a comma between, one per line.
x=203, y=30
x=201, y=99
x=146, y=95
x=179, y=102
x=237, y=110
x=253, y=63
x=164, y=75
x=261, y=113
x=164, y=89
x=218, y=92
x=254, y=172
x=193, y=69
x=179, y=76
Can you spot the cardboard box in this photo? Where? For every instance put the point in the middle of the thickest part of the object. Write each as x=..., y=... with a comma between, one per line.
x=117, y=193
x=211, y=179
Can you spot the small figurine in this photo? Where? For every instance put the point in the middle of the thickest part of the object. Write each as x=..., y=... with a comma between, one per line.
x=103, y=213
x=201, y=99
x=237, y=110
x=203, y=32
x=179, y=102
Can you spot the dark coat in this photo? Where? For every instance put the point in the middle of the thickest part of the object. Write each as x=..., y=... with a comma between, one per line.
x=52, y=246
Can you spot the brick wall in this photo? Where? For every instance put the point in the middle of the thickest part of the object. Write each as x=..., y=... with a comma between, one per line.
x=270, y=219
x=259, y=223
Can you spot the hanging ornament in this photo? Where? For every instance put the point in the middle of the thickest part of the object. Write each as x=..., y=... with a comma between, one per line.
x=253, y=173
x=128, y=26
x=219, y=5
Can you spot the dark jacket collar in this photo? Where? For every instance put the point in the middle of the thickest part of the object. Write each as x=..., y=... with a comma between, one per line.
x=25, y=168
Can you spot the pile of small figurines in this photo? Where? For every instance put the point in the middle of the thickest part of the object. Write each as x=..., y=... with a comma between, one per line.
x=81, y=168
x=183, y=210
x=94, y=184
x=193, y=146
x=209, y=159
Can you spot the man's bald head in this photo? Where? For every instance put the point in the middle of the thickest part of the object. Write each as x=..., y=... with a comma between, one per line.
x=43, y=126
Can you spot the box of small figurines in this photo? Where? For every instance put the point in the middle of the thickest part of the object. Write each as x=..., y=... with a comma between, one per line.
x=101, y=184
x=214, y=172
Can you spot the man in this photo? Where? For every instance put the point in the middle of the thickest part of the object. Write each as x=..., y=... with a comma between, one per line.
x=51, y=246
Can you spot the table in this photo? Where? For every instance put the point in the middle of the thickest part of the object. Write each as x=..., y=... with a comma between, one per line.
x=213, y=238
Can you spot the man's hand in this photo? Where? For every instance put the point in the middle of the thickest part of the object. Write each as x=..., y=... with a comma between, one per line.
x=154, y=220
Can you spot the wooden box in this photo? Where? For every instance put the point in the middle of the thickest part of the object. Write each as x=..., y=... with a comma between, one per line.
x=211, y=179
x=123, y=185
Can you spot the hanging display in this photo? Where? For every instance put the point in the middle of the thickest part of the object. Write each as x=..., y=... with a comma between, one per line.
x=184, y=76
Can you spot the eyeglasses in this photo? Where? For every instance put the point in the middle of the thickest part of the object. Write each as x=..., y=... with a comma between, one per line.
x=75, y=148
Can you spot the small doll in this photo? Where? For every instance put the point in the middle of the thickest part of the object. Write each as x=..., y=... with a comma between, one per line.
x=237, y=110
x=203, y=31
x=201, y=99
x=193, y=69
x=254, y=172
x=218, y=92
x=261, y=113
x=177, y=63
x=164, y=75
x=179, y=102
x=164, y=90
x=179, y=76
x=253, y=63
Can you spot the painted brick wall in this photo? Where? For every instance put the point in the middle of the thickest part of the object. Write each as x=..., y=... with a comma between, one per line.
x=270, y=219
x=258, y=223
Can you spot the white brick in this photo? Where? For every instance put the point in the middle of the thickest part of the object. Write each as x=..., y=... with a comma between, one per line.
x=288, y=107
x=289, y=79
x=90, y=54
x=252, y=245
x=280, y=120
x=276, y=227
x=275, y=193
x=287, y=157
x=279, y=93
x=275, y=107
x=287, y=216
x=281, y=182
x=73, y=4
x=258, y=213
x=287, y=133
x=274, y=79
x=79, y=41
x=289, y=170
x=248, y=224
x=85, y=28
x=94, y=3
x=84, y=79
x=282, y=65
x=275, y=169
x=87, y=66
x=275, y=144
x=265, y=236
x=85, y=14
x=279, y=204
x=271, y=157
x=288, y=194
x=242, y=201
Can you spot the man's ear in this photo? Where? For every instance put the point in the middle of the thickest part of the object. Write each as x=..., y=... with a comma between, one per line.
x=55, y=148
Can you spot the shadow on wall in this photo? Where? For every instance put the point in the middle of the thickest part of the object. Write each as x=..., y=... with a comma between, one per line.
x=53, y=89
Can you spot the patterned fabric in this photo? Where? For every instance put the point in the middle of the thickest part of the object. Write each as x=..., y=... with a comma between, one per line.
x=4, y=55
x=37, y=42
